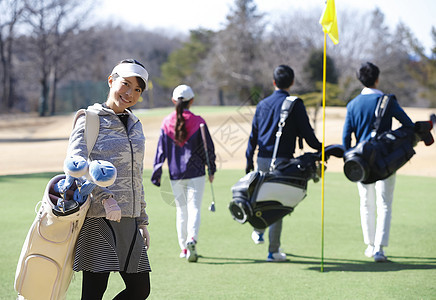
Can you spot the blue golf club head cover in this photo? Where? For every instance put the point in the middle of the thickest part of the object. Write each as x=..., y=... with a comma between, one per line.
x=87, y=188
x=81, y=194
x=75, y=166
x=102, y=173
x=78, y=197
x=64, y=184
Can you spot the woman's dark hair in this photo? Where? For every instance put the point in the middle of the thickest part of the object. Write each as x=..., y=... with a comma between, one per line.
x=283, y=76
x=368, y=74
x=134, y=61
x=180, y=129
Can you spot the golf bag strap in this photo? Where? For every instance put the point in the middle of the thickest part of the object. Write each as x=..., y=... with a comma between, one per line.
x=383, y=104
x=92, y=126
x=287, y=106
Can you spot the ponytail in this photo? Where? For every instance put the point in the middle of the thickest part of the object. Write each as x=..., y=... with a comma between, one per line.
x=180, y=129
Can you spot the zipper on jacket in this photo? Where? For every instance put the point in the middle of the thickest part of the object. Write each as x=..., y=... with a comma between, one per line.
x=131, y=163
x=132, y=171
x=132, y=174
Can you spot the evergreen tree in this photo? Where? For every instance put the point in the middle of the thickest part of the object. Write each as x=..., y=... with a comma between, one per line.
x=182, y=63
x=314, y=68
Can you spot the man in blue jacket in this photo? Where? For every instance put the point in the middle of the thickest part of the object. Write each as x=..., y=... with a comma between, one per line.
x=378, y=196
x=263, y=135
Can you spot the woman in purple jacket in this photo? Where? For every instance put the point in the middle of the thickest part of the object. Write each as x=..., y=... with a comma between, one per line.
x=181, y=143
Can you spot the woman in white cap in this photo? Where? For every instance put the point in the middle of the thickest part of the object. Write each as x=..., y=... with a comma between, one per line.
x=114, y=236
x=181, y=143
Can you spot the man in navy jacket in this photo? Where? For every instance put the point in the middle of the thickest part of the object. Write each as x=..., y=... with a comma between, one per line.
x=263, y=135
x=378, y=196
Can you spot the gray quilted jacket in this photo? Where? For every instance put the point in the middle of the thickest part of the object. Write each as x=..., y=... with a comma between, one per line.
x=125, y=150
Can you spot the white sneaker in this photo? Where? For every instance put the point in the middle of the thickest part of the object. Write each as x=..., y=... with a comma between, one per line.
x=369, y=252
x=257, y=237
x=380, y=257
x=191, y=255
x=183, y=253
x=277, y=256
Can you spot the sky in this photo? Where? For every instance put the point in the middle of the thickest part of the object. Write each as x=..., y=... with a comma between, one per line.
x=183, y=15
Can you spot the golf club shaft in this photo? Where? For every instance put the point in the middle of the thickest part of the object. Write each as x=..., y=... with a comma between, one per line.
x=203, y=136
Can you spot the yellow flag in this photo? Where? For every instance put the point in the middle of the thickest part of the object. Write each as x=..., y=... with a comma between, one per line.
x=329, y=21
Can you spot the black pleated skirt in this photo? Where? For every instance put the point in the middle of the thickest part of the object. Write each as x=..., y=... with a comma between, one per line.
x=107, y=246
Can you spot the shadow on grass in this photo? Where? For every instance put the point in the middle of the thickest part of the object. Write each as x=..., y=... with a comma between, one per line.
x=313, y=263
x=233, y=261
x=395, y=263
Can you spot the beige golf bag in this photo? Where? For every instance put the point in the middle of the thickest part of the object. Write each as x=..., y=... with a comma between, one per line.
x=45, y=266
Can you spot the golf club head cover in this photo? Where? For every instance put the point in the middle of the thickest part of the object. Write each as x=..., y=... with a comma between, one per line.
x=65, y=207
x=102, y=173
x=86, y=188
x=59, y=186
x=75, y=166
x=113, y=211
x=78, y=197
x=81, y=194
x=63, y=185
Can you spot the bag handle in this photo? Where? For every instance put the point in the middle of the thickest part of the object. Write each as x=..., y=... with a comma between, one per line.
x=287, y=106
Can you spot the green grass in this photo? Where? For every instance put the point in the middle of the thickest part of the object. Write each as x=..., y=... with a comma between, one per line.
x=232, y=267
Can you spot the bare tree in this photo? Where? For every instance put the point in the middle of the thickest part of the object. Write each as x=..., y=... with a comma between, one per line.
x=232, y=63
x=52, y=23
x=292, y=38
x=151, y=48
x=68, y=51
x=10, y=13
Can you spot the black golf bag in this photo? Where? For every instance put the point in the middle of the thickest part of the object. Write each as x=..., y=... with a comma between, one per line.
x=381, y=156
x=262, y=198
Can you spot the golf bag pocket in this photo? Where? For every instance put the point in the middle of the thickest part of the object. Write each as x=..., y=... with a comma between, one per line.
x=45, y=266
x=33, y=277
x=289, y=195
x=264, y=198
x=240, y=207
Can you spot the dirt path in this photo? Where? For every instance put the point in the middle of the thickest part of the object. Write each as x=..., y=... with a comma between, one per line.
x=31, y=144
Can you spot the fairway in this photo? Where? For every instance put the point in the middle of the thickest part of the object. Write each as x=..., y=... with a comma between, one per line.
x=231, y=266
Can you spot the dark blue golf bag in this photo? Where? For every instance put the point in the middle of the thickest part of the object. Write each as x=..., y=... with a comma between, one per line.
x=381, y=156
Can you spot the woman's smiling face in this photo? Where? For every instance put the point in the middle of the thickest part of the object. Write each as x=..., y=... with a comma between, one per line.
x=124, y=93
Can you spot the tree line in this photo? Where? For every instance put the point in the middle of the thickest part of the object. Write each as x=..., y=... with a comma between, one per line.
x=54, y=60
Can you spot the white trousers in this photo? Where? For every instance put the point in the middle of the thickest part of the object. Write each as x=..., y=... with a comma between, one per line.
x=376, y=210
x=188, y=194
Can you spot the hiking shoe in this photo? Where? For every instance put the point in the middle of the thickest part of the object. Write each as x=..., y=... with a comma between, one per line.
x=191, y=255
x=277, y=256
x=257, y=237
x=369, y=252
x=380, y=257
x=183, y=253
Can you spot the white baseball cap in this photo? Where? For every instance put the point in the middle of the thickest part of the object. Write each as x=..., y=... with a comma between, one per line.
x=183, y=92
x=131, y=69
